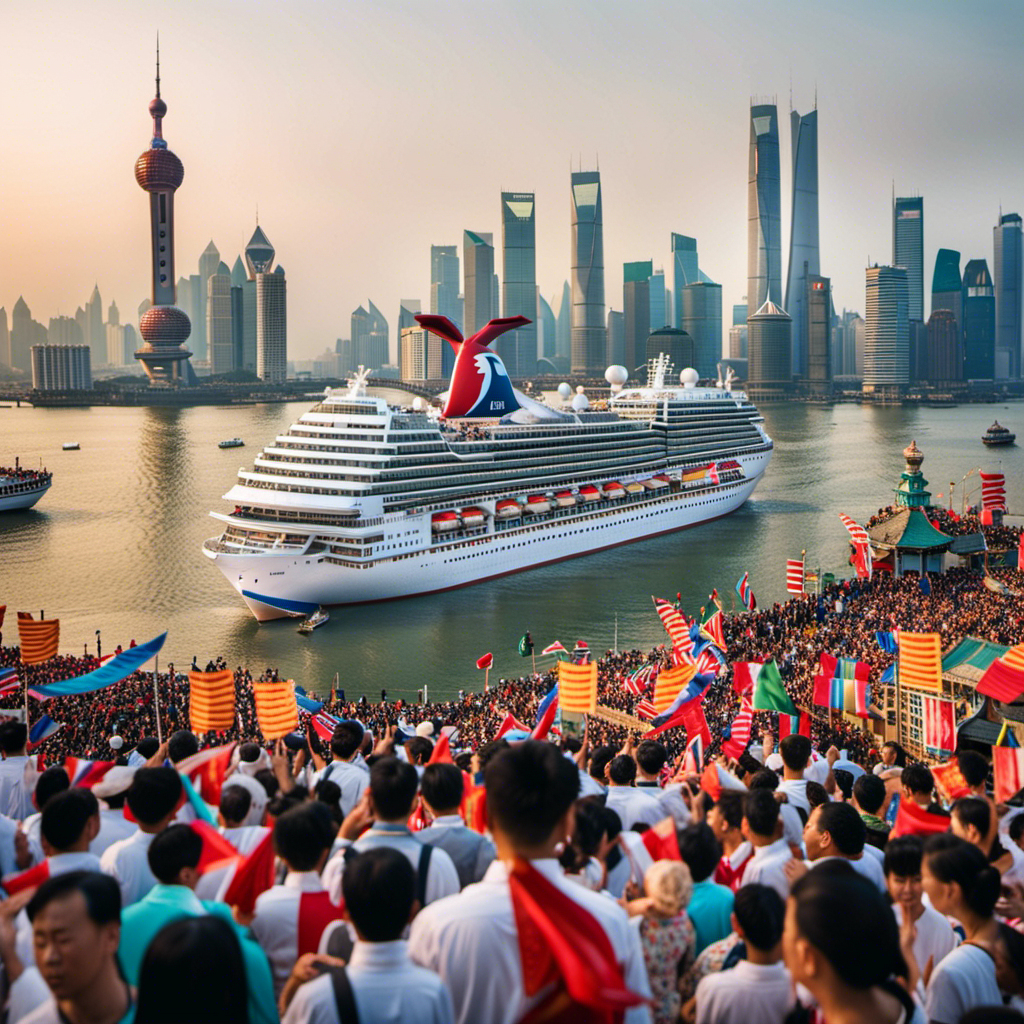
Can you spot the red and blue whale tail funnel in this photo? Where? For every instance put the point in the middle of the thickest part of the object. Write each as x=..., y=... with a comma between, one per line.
x=480, y=387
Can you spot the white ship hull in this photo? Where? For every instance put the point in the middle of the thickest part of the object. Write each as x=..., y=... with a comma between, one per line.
x=294, y=581
x=22, y=500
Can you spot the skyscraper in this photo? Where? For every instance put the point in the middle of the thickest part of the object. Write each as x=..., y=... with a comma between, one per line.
x=739, y=314
x=548, y=328
x=244, y=311
x=886, y=330
x=407, y=310
x=25, y=332
x=65, y=330
x=61, y=367
x=271, y=309
x=209, y=261
x=518, y=349
x=817, y=332
x=369, y=337
x=908, y=250
x=589, y=332
x=947, y=285
x=114, y=336
x=764, y=235
x=478, y=269
x=636, y=311
x=701, y=318
x=769, y=344
x=164, y=327
x=659, y=310
x=1006, y=266
x=5, y=339
x=945, y=348
x=420, y=353
x=979, y=325
x=615, y=348
x=803, y=232
x=563, y=344
x=444, y=280
x=685, y=270
x=96, y=337
x=220, y=334
x=738, y=340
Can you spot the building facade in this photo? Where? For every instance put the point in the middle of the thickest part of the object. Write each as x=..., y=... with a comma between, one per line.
x=886, y=331
x=25, y=332
x=804, y=258
x=420, y=354
x=764, y=235
x=220, y=335
x=908, y=249
x=589, y=331
x=1007, y=266
x=945, y=359
x=770, y=355
x=979, y=323
x=674, y=343
x=615, y=352
x=478, y=270
x=271, y=309
x=947, y=285
x=61, y=367
x=817, y=333
x=636, y=312
x=701, y=318
x=518, y=349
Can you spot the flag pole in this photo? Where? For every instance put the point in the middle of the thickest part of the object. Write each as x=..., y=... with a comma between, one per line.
x=487, y=672
x=615, y=644
x=156, y=700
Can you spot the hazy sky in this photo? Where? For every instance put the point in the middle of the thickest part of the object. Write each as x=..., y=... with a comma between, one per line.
x=366, y=131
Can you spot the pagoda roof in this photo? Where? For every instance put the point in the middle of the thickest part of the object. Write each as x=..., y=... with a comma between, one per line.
x=910, y=529
x=968, y=661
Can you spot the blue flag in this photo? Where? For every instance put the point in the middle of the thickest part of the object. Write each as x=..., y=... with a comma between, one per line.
x=113, y=671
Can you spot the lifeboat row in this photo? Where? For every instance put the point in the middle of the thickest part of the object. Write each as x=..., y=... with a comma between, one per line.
x=469, y=517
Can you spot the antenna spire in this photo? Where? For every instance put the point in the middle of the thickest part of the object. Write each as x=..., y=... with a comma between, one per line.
x=158, y=65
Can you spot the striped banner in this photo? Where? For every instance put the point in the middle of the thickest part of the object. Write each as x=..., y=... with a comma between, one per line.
x=39, y=640
x=646, y=709
x=675, y=625
x=937, y=716
x=993, y=490
x=739, y=731
x=920, y=661
x=211, y=701
x=577, y=686
x=794, y=575
x=276, y=710
x=670, y=683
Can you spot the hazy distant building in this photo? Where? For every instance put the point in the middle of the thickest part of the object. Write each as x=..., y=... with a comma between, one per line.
x=979, y=323
x=563, y=346
x=817, y=332
x=945, y=348
x=369, y=337
x=589, y=331
x=847, y=339
x=1007, y=266
x=444, y=280
x=918, y=360
x=636, y=312
x=95, y=332
x=659, y=310
x=548, y=329
x=64, y=330
x=420, y=355
x=803, y=233
x=478, y=270
x=886, y=330
x=908, y=249
x=25, y=332
x=5, y=339
x=676, y=344
x=130, y=342
x=764, y=235
x=685, y=270
x=209, y=260
x=518, y=349
x=407, y=310
x=220, y=334
x=769, y=344
x=738, y=340
x=345, y=354
x=615, y=351
x=243, y=317
x=739, y=314
x=701, y=318
x=61, y=367
x=947, y=285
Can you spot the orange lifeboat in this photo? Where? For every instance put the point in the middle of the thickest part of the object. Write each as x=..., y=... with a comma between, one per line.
x=507, y=509
x=472, y=517
x=588, y=492
x=613, y=490
x=537, y=503
x=443, y=522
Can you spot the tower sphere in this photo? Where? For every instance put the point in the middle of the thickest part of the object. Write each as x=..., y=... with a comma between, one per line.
x=165, y=325
x=159, y=170
x=157, y=107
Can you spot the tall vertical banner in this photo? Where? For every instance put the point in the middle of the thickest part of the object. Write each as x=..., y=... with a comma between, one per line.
x=276, y=710
x=39, y=639
x=794, y=576
x=993, y=491
x=938, y=719
x=920, y=661
x=577, y=687
x=211, y=704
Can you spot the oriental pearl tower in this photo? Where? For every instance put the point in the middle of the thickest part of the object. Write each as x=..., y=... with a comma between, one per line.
x=164, y=327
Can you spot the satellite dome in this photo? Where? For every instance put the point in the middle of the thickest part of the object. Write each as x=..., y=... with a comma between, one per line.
x=580, y=402
x=580, y=389
x=616, y=376
x=564, y=391
x=689, y=377
x=418, y=403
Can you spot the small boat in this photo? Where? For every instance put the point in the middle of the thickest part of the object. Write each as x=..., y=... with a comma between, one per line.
x=588, y=492
x=564, y=499
x=318, y=618
x=234, y=442
x=508, y=509
x=473, y=517
x=537, y=503
x=443, y=522
x=634, y=488
x=71, y=446
x=996, y=435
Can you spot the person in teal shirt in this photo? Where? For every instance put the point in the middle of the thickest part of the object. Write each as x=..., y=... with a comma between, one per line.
x=174, y=858
x=710, y=906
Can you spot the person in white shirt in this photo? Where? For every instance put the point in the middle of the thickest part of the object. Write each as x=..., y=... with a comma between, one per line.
x=651, y=758
x=472, y=940
x=836, y=830
x=795, y=750
x=386, y=808
x=758, y=990
x=350, y=778
x=111, y=791
x=48, y=783
x=17, y=772
x=632, y=805
x=842, y=946
x=934, y=936
x=153, y=799
x=961, y=883
x=383, y=984
x=302, y=839
x=762, y=829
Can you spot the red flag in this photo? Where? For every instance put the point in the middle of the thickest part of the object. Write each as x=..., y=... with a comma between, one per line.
x=710, y=782
x=86, y=773
x=739, y=732
x=442, y=753
x=13, y=884
x=912, y=820
x=560, y=941
x=216, y=849
x=645, y=708
x=511, y=722
x=207, y=771
x=316, y=912
x=474, y=807
x=1008, y=772
x=543, y=727
x=691, y=716
x=255, y=875
x=661, y=842
x=950, y=780
x=795, y=724
x=1002, y=681
x=485, y=661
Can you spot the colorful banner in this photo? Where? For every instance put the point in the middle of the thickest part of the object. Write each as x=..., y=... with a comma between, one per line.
x=938, y=718
x=577, y=686
x=794, y=575
x=211, y=703
x=675, y=625
x=39, y=640
x=920, y=661
x=276, y=710
x=106, y=675
x=670, y=683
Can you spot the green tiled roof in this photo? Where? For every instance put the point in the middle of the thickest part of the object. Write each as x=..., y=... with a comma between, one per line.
x=908, y=528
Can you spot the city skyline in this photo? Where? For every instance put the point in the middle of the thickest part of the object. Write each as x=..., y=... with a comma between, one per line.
x=387, y=219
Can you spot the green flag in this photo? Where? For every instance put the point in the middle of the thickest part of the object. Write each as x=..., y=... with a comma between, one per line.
x=769, y=693
x=526, y=645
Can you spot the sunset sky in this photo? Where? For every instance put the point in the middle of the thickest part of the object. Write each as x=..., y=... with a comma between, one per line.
x=366, y=131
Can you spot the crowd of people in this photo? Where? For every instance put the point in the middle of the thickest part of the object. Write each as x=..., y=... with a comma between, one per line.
x=410, y=865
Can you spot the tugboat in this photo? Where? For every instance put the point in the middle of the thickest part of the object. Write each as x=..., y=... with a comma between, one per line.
x=318, y=618
x=234, y=442
x=996, y=435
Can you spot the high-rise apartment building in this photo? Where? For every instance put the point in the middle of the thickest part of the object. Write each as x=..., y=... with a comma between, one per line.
x=61, y=367
x=115, y=336
x=764, y=234
x=220, y=328
x=518, y=349
x=420, y=354
x=947, y=285
x=908, y=249
x=816, y=304
x=701, y=318
x=945, y=349
x=271, y=309
x=886, y=330
x=478, y=271
x=1007, y=265
x=803, y=233
x=589, y=331
x=636, y=312
x=979, y=326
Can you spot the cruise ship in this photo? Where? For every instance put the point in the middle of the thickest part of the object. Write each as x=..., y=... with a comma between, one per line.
x=362, y=500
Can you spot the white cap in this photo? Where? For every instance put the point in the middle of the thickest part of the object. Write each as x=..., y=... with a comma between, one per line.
x=774, y=761
x=425, y=729
x=116, y=742
x=115, y=782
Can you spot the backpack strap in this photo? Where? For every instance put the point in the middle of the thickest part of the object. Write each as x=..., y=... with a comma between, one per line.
x=344, y=1000
x=422, y=872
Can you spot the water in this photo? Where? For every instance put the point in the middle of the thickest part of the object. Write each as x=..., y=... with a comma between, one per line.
x=115, y=544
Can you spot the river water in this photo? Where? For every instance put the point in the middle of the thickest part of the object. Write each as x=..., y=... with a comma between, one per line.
x=115, y=544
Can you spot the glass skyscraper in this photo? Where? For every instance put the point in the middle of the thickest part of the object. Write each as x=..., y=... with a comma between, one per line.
x=979, y=324
x=636, y=310
x=764, y=235
x=589, y=330
x=444, y=294
x=684, y=270
x=659, y=312
x=518, y=349
x=947, y=285
x=478, y=268
x=804, y=260
x=908, y=249
x=549, y=330
x=1006, y=267
x=701, y=318
x=886, y=329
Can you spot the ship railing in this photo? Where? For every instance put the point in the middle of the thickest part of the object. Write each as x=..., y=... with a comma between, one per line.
x=217, y=545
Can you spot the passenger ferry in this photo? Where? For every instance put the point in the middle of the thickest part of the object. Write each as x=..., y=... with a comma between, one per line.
x=22, y=488
x=363, y=501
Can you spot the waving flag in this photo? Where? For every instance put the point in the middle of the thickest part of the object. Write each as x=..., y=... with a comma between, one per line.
x=1004, y=678
x=308, y=704
x=546, y=711
x=276, y=710
x=577, y=686
x=525, y=645
x=739, y=732
x=920, y=661
x=710, y=661
x=106, y=675
x=842, y=684
x=746, y=595
x=211, y=704
x=950, y=781
x=675, y=625
x=1008, y=772
x=671, y=682
x=324, y=725
x=39, y=639
x=207, y=770
x=769, y=693
x=693, y=759
x=937, y=715
x=993, y=491
x=887, y=641
x=9, y=681
x=86, y=773
x=713, y=631
x=794, y=576
x=639, y=679
x=646, y=709
x=913, y=820
x=690, y=716
x=485, y=660
x=42, y=730
x=861, y=545
x=1006, y=737
x=554, y=648
x=512, y=724
x=793, y=725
